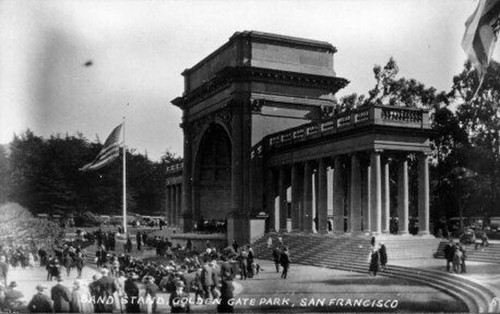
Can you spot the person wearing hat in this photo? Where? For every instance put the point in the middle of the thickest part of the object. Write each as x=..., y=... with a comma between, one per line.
x=41, y=303
x=13, y=299
x=179, y=300
x=95, y=289
x=109, y=288
x=79, y=298
x=61, y=297
x=131, y=294
x=151, y=289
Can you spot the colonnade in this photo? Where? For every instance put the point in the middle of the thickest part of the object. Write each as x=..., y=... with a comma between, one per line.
x=173, y=202
x=361, y=193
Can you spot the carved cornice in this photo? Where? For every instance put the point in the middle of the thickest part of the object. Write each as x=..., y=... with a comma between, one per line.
x=229, y=75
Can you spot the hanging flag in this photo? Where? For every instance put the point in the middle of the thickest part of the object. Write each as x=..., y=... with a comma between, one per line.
x=109, y=152
x=481, y=32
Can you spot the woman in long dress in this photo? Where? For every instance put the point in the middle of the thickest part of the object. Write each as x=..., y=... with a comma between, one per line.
x=80, y=298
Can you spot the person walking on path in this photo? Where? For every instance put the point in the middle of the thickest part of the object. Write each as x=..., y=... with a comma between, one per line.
x=138, y=239
x=61, y=297
x=41, y=303
x=285, y=262
x=79, y=264
x=277, y=258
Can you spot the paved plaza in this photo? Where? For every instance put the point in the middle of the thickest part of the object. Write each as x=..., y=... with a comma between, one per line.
x=307, y=289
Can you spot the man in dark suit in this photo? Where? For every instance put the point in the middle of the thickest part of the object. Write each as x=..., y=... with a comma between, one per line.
x=41, y=303
x=95, y=289
x=277, y=258
x=132, y=294
x=79, y=263
x=449, y=253
x=61, y=297
x=138, y=239
x=109, y=287
x=285, y=262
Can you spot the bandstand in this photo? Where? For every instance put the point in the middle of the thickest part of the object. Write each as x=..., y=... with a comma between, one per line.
x=258, y=140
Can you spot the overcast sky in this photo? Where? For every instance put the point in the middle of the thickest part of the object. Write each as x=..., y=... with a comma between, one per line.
x=138, y=50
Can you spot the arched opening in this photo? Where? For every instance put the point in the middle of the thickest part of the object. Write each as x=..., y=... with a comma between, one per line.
x=212, y=180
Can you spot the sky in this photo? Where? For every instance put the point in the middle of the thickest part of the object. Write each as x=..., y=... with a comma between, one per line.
x=138, y=50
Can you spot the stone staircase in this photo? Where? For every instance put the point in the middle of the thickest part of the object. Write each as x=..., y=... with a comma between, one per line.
x=489, y=254
x=345, y=248
x=350, y=253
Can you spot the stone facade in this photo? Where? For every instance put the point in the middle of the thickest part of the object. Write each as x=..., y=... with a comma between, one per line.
x=256, y=140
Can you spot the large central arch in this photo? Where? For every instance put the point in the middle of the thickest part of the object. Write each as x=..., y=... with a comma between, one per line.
x=212, y=175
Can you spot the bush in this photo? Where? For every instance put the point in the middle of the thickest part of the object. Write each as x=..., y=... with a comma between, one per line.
x=87, y=219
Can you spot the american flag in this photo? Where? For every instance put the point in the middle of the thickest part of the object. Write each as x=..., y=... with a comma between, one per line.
x=481, y=35
x=109, y=152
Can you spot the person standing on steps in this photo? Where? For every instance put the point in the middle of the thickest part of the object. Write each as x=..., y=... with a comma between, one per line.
x=449, y=252
x=383, y=257
x=374, y=262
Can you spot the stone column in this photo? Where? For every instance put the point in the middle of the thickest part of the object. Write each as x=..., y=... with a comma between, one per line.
x=307, y=217
x=355, y=195
x=186, y=219
x=167, y=205
x=403, y=196
x=423, y=194
x=283, y=201
x=366, y=188
x=297, y=194
x=386, y=200
x=376, y=193
x=338, y=196
x=178, y=203
x=322, y=210
x=270, y=197
x=172, y=205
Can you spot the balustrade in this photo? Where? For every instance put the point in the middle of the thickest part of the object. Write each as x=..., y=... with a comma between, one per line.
x=343, y=121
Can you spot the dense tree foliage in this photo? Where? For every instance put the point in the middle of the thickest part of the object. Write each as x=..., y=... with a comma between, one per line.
x=43, y=175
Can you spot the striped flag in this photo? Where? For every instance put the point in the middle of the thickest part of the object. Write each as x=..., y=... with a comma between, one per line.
x=481, y=34
x=108, y=153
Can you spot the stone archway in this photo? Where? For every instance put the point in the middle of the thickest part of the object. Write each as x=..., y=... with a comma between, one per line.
x=212, y=175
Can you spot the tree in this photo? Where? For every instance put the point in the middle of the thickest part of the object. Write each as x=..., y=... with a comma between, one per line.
x=4, y=175
x=479, y=117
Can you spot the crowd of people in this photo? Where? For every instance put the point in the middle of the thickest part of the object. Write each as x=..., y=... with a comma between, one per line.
x=180, y=271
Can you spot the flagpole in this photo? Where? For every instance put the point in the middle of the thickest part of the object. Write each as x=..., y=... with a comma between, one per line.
x=124, y=181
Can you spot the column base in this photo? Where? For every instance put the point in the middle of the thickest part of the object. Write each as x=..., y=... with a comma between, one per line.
x=425, y=234
x=385, y=232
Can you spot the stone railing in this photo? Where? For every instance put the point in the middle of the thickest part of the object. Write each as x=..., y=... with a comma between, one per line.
x=175, y=168
x=373, y=115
